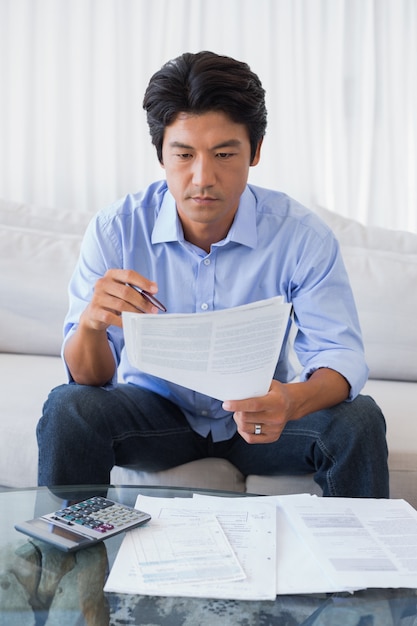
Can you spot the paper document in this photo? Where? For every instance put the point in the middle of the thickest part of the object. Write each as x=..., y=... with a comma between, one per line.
x=291, y=544
x=299, y=571
x=359, y=542
x=249, y=525
x=228, y=355
x=171, y=552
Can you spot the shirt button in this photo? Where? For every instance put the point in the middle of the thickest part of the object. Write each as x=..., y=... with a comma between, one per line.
x=206, y=261
x=204, y=306
x=204, y=413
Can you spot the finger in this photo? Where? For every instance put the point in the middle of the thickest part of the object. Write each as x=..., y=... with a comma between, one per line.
x=148, y=297
x=139, y=299
x=249, y=405
x=99, y=317
x=248, y=426
x=118, y=296
x=134, y=279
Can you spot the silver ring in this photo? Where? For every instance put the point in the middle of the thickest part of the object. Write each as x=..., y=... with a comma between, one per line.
x=258, y=429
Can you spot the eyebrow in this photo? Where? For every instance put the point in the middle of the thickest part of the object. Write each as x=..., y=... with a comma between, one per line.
x=229, y=143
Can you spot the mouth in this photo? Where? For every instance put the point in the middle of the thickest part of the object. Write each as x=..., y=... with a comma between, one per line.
x=203, y=199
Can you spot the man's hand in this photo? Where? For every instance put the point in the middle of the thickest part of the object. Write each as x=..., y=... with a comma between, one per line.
x=270, y=412
x=113, y=294
x=268, y=415
x=87, y=353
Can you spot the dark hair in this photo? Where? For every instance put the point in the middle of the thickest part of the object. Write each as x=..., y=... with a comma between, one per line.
x=202, y=82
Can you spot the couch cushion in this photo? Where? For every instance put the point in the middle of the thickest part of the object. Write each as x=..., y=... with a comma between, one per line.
x=210, y=473
x=282, y=485
x=397, y=400
x=38, y=251
x=26, y=381
x=382, y=267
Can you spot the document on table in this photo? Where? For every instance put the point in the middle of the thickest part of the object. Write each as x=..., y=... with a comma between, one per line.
x=298, y=569
x=249, y=525
x=191, y=550
x=359, y=542
x=285, y=545
x=229, y=354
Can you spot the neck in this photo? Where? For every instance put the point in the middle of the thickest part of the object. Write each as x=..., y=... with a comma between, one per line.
x=204, y=236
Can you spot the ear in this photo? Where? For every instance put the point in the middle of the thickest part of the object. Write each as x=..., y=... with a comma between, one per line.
x=257, y=156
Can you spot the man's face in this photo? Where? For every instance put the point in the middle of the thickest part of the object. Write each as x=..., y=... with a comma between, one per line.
x=206, y=160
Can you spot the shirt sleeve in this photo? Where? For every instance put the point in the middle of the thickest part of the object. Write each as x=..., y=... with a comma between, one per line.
x=99, y=252
x=328, y=330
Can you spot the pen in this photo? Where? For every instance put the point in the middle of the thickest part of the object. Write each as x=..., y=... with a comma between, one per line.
x=148, y=296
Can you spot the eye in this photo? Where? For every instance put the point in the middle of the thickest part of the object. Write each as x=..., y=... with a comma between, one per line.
x=224, y=155
x=183, y=156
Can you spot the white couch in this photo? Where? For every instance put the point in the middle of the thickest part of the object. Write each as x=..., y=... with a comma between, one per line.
x=38, y=249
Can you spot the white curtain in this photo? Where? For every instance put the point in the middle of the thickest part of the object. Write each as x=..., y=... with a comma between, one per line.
x=340, y=76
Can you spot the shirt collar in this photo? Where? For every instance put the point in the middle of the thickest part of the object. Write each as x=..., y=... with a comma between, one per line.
x=167, y=224
x=243, y=230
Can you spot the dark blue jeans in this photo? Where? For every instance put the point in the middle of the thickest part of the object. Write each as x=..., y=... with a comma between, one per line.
x=85, y=431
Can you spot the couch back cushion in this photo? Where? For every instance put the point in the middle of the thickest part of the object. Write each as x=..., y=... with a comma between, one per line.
x=382, y=267
x=38, y=251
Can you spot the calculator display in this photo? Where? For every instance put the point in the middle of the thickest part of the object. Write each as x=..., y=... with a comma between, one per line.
x=52, y=529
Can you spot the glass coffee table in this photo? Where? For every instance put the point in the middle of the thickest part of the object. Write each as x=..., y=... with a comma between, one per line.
x=41, y=585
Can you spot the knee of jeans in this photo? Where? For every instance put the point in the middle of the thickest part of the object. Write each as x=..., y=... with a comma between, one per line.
x=364, y=423
x=61, y=402
x=60, y=396
x=361, y=418
x=56, y=400
x=370, y=412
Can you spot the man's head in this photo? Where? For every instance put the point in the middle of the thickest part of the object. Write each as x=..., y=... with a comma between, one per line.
x=200, y=83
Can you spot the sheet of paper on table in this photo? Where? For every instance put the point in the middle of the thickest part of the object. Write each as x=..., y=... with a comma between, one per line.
x=285, y=544
x=359, y=543
x=229, y=354
x=249, y=527
x=191, y=550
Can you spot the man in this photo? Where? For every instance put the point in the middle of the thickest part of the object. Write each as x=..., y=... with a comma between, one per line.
x=206, y=240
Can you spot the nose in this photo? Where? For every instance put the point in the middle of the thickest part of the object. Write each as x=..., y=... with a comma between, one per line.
x=203, y=171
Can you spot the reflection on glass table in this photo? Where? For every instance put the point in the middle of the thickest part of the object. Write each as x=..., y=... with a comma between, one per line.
x=42, y=585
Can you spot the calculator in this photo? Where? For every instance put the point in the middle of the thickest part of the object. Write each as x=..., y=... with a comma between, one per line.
x=83, y=524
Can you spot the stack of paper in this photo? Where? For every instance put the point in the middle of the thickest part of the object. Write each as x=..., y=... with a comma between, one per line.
x=250, y=532
x=254, y=548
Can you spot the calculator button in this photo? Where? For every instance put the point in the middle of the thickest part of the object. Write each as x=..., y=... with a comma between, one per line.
x=97, y=515
x=104, y=528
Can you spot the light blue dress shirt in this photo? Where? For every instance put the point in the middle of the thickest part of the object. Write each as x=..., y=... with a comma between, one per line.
x=275, y=246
